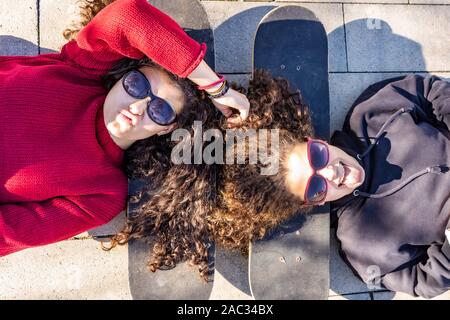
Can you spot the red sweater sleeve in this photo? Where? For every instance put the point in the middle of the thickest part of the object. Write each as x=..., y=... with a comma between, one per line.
x=32, y=224
x=134, y=28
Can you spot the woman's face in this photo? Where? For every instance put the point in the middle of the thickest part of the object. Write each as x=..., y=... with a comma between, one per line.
x=343, y=173
x=126, y=117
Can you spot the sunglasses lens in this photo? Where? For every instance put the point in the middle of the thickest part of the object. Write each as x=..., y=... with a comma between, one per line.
x=317, y=189
x=318, y=155
x=161, y=112
x=136, y=85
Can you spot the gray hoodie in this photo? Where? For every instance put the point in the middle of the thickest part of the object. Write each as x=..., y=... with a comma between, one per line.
x=392, y=228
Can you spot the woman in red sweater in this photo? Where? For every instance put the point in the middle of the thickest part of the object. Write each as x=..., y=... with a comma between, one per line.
x=63, y=132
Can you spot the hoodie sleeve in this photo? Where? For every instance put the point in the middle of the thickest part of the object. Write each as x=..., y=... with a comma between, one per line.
x=434, y=94
x=132, y=29
x=431, y=94
x=426, y=279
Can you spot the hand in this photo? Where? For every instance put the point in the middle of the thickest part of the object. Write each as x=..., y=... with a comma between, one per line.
x=233, y=100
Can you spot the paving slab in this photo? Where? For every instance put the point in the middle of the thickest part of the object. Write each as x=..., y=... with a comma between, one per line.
x=55, y=17
x=18, y=28
x=346, y=87
x=403, y=296
x=235, y=24
x=73, y=269
x=381, y=39
x=429, y=1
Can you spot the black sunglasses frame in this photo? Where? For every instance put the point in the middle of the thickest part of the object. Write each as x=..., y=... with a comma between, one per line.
x=150, y=94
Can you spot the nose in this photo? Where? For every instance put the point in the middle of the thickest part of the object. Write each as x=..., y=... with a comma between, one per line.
x=138, y=107
x=328, y=173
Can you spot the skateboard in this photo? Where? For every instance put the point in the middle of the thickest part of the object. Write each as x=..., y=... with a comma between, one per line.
x=292, y=261
x=182, y=282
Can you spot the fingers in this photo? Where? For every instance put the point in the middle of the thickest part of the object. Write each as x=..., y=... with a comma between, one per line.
x=241, y=104
x=244, y=109
x=233, y=100
x=234, y=120
x=226, y=111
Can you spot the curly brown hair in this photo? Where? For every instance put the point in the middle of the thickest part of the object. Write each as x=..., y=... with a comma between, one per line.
x=88, y=10
x=181, y=209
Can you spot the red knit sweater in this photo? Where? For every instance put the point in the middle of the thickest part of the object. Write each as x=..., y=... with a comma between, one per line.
x=60, y=172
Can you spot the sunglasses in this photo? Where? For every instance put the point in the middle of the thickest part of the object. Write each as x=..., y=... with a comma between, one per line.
x=159, y=110
x=317, y=186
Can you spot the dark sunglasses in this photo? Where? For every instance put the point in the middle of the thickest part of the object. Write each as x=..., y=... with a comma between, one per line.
x=159, y=110
x=317, y=186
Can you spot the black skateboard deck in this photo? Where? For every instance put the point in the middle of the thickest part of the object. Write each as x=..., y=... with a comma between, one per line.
x=182, y=282
x=292, y=261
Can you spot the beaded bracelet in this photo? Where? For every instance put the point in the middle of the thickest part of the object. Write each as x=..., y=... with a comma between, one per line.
x=222, y=92
x=218, y=90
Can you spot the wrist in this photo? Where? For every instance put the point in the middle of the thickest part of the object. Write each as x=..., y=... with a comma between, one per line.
x=215, y=88
x=203, y=75
x=223, y=90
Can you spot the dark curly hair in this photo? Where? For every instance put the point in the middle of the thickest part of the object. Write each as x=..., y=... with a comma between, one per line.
x=181, y=209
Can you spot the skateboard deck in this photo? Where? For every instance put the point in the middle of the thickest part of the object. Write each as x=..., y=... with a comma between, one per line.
x=182, y=282
x=292, y=261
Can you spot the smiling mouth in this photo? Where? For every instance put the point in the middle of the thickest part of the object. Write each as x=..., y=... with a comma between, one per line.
x=124, y=117
x=351, y=177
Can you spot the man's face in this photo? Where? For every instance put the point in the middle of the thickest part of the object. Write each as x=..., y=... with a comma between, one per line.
x=343, y=174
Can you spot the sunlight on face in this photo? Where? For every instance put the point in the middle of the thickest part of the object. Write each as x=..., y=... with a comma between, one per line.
x=298, y=169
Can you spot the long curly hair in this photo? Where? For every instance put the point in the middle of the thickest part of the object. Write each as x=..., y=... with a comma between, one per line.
x=180, y=209
x=88, y=10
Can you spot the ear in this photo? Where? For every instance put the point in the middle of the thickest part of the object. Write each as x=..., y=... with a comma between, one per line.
x=168, y=129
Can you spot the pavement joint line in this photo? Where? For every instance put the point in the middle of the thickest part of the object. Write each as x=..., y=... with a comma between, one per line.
x=80, y=238
x=392, y=4
x=38, y=12
x=345, y=36
x=349, y=72
x=345, y=3
x=235, y=73
x=401, y=71
x=359, y=292
x=349, y=294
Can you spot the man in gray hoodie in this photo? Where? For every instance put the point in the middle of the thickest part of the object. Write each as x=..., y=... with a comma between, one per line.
x=395, y=222
x=387, y=177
